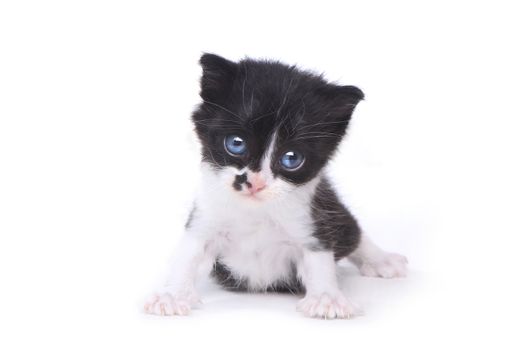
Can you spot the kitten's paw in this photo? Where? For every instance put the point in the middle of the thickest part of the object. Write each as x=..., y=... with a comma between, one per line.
x=388, y=265
x=166, y=303
x=327, y=306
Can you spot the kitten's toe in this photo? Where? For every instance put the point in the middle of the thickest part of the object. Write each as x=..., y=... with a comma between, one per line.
x=327, y=306
x=389, y=265
x=169, y=304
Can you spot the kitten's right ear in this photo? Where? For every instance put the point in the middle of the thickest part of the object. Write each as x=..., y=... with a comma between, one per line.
x=217, y=79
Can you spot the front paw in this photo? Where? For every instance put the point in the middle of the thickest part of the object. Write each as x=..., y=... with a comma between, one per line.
x=327, y=306
x=170, y=303
x=388, y=265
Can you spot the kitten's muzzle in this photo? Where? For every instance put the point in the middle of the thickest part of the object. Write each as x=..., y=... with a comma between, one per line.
x=254, y=182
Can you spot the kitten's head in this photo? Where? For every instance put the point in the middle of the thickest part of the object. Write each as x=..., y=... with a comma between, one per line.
x=267, y=128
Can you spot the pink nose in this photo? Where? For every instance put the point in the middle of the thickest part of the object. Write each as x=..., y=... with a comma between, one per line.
x=256, y=184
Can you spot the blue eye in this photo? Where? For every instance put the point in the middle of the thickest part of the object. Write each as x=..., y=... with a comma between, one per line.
x=292, y=160
x=234, y=145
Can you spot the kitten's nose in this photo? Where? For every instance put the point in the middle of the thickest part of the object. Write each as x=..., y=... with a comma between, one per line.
x=255, y=183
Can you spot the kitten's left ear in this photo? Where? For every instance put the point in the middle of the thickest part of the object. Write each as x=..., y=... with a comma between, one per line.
x=217, y=79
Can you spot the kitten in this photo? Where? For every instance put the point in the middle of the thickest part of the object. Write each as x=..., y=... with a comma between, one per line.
x=266, y=217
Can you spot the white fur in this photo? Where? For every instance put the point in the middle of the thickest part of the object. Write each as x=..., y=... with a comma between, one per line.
x=323, y=298
x=327, y=306
x=375, y=262
x=258, y=237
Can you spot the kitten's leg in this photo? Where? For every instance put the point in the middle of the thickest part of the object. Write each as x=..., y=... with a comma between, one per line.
x=372, y=261
x=323, y=297
x=179, y=294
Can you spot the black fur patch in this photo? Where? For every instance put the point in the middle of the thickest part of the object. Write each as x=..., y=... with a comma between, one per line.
x=239, y=180
x=335, y=228
x=222, y=274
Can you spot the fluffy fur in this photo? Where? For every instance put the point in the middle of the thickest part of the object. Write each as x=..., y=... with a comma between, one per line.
x=257, y=224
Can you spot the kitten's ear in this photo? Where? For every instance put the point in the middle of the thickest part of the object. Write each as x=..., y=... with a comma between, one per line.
x=351, y=93
x=342, y=100
x=346, y=96
x=217, y=77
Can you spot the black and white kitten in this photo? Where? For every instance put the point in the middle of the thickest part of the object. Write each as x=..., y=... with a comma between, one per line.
x=266, y=217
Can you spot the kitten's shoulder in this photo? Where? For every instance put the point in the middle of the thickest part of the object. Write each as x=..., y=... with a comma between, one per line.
x=335, y=228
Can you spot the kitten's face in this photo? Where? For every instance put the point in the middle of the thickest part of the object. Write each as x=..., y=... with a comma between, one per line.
x=267, y=128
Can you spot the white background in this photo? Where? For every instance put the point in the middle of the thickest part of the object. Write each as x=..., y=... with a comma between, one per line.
x=98, y=163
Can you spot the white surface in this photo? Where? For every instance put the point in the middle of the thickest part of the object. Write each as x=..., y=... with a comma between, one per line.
x=97, y=164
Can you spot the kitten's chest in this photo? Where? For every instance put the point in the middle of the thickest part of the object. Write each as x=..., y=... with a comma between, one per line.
x=259, y=249
x=253, y=233
x=262, y=227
